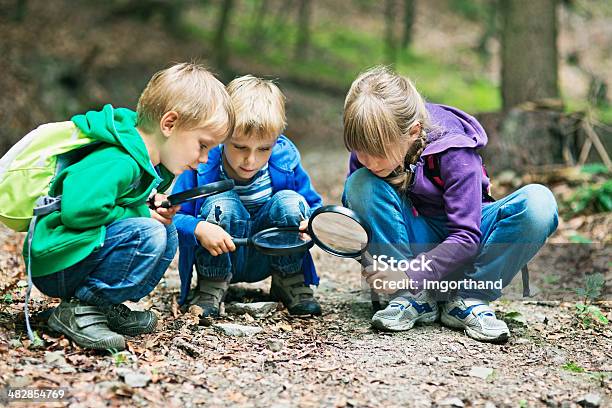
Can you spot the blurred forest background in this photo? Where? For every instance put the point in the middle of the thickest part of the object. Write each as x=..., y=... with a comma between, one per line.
x=536, y=73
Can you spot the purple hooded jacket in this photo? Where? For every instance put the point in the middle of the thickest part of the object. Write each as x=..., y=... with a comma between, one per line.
x=455, y=136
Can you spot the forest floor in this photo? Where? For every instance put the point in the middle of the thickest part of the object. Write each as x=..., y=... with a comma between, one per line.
x=553, y=358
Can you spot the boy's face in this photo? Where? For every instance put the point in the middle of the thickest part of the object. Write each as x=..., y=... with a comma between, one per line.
x=186, y=148
x=245, y=155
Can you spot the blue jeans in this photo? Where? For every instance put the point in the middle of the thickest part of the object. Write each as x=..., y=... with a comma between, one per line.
x=513, y=229
x=132, y=261
x=285, y=208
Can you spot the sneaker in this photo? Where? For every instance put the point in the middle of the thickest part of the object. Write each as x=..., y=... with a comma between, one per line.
x=123, y=320
x=208, y=295
x=477, y=319
x=404, y=311
x=86, y=325
x=297, y=297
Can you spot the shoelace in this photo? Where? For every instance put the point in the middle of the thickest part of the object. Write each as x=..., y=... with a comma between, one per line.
x=120, y=310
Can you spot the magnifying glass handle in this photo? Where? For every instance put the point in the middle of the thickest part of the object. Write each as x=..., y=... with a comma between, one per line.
x=241, y=241
x=366, y=260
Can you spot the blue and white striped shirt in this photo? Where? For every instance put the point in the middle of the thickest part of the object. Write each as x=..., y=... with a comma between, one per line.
x=255, y=192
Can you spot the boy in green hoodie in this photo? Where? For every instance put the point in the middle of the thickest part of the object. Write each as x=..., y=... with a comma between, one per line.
x=106, y=246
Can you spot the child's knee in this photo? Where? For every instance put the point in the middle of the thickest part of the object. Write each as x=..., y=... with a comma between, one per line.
x=289, y=206
x=153, y=236
x=224, y=208
x=360, y=187
x=540, y=208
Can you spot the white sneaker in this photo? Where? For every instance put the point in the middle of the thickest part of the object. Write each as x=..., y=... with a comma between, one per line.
x=405, y=310
x=477, y=319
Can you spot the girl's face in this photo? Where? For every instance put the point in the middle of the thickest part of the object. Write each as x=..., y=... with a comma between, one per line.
x=379, y=166
x=382, y=166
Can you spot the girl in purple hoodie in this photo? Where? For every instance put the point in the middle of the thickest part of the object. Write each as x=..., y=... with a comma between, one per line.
x=417, y=178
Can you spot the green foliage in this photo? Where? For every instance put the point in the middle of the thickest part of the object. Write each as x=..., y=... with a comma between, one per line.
x=7, y=298
x=594, y=169
x=579, y=239
x=590, y=315
x=590, y=198
x=587, y=314
x=551, y=279
x=573, y=367
x=594, y=284
x=118, y=357
x=339, y=52
x=514, y=317
x=470, y=9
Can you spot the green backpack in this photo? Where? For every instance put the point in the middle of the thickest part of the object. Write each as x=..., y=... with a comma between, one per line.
x=28, y=168
x=26, y=173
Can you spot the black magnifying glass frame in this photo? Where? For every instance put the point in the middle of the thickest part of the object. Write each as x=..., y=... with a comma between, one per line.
x=199, y=192
x=338, y=209
x=258, y=242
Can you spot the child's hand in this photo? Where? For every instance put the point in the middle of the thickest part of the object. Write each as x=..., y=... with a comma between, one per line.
x=163, y=215
x=214, y=238
x=386, y=281
x=303, y=228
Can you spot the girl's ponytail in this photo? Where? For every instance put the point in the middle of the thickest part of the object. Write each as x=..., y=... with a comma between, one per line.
x=401, y=178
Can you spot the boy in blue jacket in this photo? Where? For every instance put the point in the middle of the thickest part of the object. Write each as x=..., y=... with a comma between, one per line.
x=272, y=190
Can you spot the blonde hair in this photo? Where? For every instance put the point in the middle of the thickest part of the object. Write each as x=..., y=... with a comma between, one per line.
x=259, y=105
x=193, y=92
x=380, y=109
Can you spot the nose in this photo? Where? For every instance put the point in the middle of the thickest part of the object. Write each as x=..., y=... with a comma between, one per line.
x=250, y=159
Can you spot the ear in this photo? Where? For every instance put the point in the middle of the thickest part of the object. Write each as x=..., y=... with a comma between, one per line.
x=415, y=130
x=168, y=122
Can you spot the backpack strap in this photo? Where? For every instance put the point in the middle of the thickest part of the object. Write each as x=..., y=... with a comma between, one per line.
x=432, y=172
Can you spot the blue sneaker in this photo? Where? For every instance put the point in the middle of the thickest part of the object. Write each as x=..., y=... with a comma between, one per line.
x=404, y=311
x=476, y=318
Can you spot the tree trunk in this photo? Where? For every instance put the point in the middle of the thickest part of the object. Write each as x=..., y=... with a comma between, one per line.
x=219, y=42
x=303, y=35
x=409, y=12
x=257, y=34
x=390, y=40
x=491, y=28
x=529, y=51
x=21, y=8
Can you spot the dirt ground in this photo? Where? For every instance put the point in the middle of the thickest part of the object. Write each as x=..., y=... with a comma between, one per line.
x=335, y=360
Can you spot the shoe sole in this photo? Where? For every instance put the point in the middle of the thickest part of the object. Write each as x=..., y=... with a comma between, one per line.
x=455, y=323
x=117, y=343
x=426, y=318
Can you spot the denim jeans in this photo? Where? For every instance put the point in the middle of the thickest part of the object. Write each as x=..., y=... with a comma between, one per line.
x=513, y=229
x=132, y=261
x=285, y=208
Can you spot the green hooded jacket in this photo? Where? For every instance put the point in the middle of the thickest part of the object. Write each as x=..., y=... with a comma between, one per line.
x=109, y=184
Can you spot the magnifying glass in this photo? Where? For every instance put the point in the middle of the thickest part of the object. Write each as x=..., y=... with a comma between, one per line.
x=199, y=192
x=277, y=241
x=335, y=229
x=341, y=232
